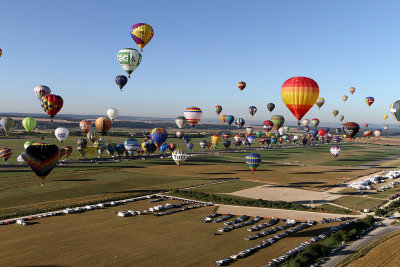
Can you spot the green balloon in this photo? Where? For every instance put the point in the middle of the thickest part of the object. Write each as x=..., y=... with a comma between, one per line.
x=259, y=134
x=29, y=123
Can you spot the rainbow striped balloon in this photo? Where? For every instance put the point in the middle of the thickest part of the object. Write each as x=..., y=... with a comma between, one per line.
x=299, y=94
x=193, y=115
x=5, y=153
x=253, y=160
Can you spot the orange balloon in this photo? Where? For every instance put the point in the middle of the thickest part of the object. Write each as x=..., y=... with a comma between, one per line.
x=103, y=124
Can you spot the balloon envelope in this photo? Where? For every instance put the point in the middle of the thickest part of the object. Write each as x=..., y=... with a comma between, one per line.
x=142, y=34
x=218, y=109
x=85, y=125
x=61, y=134
x=278, y=121
x=7, y=123
x=335, y=151
x=369, y=100
x=270, y=107
x=253, y=160
x=179, y=156
x=29, y=124
x=180, y=122
x=159, y=136
x=51, y=104
x=131, y=145
x=193, y=115
x=129, y=59
x=351, y=129
x=41, y=90
x=229, y=119
x=42, y=158
x=103, y=125
x=241, y=85
x=112, y=113
x=320, y=102
x=121, y=81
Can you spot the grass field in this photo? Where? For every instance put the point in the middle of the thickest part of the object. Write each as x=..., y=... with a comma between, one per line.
x=100, y=237
x=358, y=203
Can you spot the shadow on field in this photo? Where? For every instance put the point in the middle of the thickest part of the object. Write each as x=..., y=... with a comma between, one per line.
x=215, y=173
x=53, y=265
x=315, y=201
x=139, y=191
x=257, y=170
x=302, y=183
x=73, y=180
x=31, y=223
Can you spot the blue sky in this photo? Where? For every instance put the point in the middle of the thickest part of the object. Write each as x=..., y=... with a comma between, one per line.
x=199, y=52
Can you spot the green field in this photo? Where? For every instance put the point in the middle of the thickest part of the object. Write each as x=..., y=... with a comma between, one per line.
x=358, y=202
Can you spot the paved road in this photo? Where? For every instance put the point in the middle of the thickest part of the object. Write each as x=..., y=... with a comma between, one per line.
x=353, y=247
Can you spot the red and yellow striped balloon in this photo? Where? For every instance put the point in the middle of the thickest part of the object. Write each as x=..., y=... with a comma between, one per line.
x=299, y=94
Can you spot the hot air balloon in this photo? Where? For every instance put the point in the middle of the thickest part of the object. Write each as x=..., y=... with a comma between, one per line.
x=82, y=142
x=335, y=112
x=159, y=136
x=335, y=151
x=377, y=133
x=366, y=125
x=341, y=117
x=229, y=119
x=171, y=147
x=305, y=122
x=120, y=149
x=129, y=59
x=369, y=100
x=299, y=94
x=384, y=116
x=112, y=113
x=367, y=134
x=42, y=158
x=352, y=90
x=187, y=138
x=249, y=130
x=1, y=52
x=277, y=121
x=215, y=140
x=344, y=98
x=27, y=143
x=239, y=122
x=225, y=136
x=351, y=129
x=179, y=134
x=81, y=151
x=241, y=85
x=315, y=122
x=51, y=104
x=85, y=125
x=320, y=101
x=41, y=90
x=252, y=110
x=270, y=107
x=142, y=34
x=163, y=147
x=21, y=158
x=281, y=131
x=100, y=146
x=61, y=134
x=193, y=115
x=92, y=136
x=7, y=123
x=253, y=160
x=287, y=128
x=385, y=128
x=5, y=153
x=295, y=138
x=222, y=118
x=103, y=125
x=110, y=148
x=180, y=122
x=227, y=143
x=150, y=147
x=268, y=125
x=395, y=109
x=131, y=145
x=251, y=139
x=259, y=134
x=338, y=130
x=189, y=146
x=321, y=132
x=121, y=81
x=306, y=129
x=203, y=144
x=314, y=132
x=29, y=124
x=218, y=109
x=179, y=156
x=68, y=151
x=237, y=137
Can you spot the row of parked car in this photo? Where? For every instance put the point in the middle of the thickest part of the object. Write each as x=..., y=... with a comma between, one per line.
x=293, y=252
x=270, y=231
x=331, y=220
x=265, y=243
x=180, y=210
x=239, y=223
x=271, y=222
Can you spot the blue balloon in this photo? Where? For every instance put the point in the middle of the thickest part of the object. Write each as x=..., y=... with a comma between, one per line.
x=314, y=132
x=120, y=149
x=189, y=146
x=110, y=149
x=164, y=147
x=326, y=129
x=121, y=81
x=187, y=138
x=306, y=129
x=251, y=139
x=229, y=119
x=131, y=145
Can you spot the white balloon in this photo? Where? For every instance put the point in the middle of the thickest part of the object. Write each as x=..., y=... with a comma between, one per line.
x=281, y=131
x=249, y=130
x=129, y=59
x=41, y=90
x=112, y=113
x=61, y=134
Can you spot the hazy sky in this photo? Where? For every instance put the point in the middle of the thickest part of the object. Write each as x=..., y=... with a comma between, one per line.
x=199, y=52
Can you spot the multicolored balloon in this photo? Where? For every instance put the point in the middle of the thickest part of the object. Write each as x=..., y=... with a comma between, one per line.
x=222, y=118
x=85, y=125
x=315, y=122
x=131, y=145
x=189, y=146
x=335, y=112
x=129, y=59
x=305, y=122
x=193, y=115
x=252, y=110
x=241, y=85
x=239, y=122
x=92, y=136
x=253, y=160
x=351, y=129
x=268, y=125
x=368, y=134
x=121, y=81
x=344, y=98
x=278, y=121
x=395, y=109
x=377, y=133
x=352, y=90
x=218, y=109
x=179, y=156
x=299, y=95
x=159, y=136
x=42, y=158
x=369, y=100
x=335, y=151
x=41, y=90
x=5, y=153
x=51, y=104
x=142, y=34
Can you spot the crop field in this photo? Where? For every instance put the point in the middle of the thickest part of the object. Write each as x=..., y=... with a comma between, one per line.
x=310, y=167
x=100, y=237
